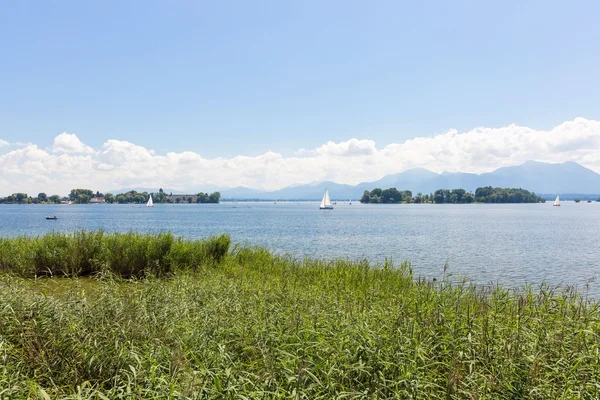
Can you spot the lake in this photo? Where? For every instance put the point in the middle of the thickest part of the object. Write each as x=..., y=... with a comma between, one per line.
x=512, y=244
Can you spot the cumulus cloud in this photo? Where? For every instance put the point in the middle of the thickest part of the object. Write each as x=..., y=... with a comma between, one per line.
x=123, y=164
x=69, y=143
x=3, y=143
x=350, y=148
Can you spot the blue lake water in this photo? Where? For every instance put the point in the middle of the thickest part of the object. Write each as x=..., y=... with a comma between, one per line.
x=512, y=244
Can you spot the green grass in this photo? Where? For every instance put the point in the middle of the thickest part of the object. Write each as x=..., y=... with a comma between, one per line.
x=256, y=325
x=125, y=254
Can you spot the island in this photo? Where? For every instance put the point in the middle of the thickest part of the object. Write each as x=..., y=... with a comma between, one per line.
x=486, y=194
x=87, y=196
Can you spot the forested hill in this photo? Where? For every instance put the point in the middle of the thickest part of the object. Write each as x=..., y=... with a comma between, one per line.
x=486, y=194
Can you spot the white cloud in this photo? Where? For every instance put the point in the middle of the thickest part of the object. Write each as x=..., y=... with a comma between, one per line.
x=3, y=143
x=350, y=148
x=120, y=164
x=69, y=143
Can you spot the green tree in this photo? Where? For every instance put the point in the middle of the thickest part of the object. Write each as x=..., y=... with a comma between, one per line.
x=505, y=195
x=160, y=197
x=458, y=194
x=55, y=199
x=438, y=196
x=391, y=195
x=21, y=197
x=366, y=197
x=202, y=198
x=42, y=197
x=81, y=196
x=214, y=197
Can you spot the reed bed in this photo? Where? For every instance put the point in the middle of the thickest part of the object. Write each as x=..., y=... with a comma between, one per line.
x=257, y=325
x=86, y=253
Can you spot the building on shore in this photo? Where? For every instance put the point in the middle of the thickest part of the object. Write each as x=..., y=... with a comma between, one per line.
x=97, y=200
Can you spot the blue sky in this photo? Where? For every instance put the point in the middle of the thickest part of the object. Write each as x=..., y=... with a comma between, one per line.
x=227, y=78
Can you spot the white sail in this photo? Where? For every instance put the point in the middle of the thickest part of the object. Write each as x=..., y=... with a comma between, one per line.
x=557, y=201
x=326, y=201
x=150, y=203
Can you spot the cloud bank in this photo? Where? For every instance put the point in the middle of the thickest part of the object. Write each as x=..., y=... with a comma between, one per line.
x=70, y=163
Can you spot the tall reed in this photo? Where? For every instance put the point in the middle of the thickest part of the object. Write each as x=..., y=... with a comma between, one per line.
x=86, y=253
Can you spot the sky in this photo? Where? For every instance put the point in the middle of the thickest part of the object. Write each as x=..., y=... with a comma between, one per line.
x=268, y=93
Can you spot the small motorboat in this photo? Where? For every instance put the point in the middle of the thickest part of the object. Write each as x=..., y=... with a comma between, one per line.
x=51, y=217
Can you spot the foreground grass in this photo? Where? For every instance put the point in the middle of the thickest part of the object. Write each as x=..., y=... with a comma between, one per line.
x=255, y=325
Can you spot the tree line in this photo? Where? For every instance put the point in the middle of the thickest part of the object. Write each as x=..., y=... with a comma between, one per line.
x=84, y=196
x=23, y=198
x=486, y=194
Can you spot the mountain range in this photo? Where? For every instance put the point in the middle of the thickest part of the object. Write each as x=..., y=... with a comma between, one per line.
x=541, y=178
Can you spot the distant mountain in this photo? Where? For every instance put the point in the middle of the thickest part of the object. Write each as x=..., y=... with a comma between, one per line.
x=568, y=177
x=312, y=191
x=407, y=179
x=243, y=193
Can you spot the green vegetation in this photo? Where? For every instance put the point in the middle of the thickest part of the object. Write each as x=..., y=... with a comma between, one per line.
x=134, y=197
x=208, y=198
x=455, y=196
x=23, y=198
x=161, y=197
x=385, y=196
x=498, y=195
x=81, y=196
x=125, y=254
x=249, y=324
x=86, y=196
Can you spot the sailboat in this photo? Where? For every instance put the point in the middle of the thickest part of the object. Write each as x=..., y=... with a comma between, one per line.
x=557, y=201
x=350, y=202
x=326, y=202
x=150, y=203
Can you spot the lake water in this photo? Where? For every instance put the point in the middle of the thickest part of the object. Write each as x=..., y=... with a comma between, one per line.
x=512, y=244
